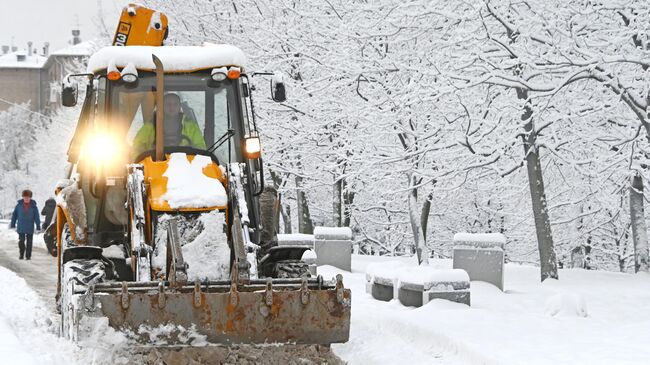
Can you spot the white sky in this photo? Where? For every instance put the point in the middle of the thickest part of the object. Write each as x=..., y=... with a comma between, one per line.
x=52, y=21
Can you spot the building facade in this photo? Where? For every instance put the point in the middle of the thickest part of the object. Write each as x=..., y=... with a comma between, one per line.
x=34, y=76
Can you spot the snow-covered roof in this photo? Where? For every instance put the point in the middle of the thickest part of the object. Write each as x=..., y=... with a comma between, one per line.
x=11, y=60
x=82, y=49
x=174, y=58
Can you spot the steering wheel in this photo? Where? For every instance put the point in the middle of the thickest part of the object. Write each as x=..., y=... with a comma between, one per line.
x=172, y=149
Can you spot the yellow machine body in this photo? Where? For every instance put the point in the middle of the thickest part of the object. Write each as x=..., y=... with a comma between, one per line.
x=140, y=26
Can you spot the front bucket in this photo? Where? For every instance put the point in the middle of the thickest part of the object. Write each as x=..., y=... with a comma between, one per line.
x=281, y=311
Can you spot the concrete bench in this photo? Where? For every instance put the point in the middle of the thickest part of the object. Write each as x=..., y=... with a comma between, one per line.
x=420, y=285
x=333, y=245
x=481, y=255
x=381, y=280
x=416, y=285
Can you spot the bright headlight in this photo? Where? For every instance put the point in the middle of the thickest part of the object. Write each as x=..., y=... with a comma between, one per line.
x=253, y=148
x=102, y=148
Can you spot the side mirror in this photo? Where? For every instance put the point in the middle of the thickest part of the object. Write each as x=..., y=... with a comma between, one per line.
x=278, y=90
x=69, y=93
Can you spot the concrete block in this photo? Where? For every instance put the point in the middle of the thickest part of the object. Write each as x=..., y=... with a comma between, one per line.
x=333, y=245
x=335, y=253
x=461, y=296
x=453, y=285
x=415, y=295
x=482, y=256
x=410, y=297
x=382, y=292
x=380, y=288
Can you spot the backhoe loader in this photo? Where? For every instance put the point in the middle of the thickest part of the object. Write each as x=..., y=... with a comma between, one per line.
x=159, y=221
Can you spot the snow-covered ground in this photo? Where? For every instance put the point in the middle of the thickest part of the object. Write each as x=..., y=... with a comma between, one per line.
x=587, y=317
x=29, y=333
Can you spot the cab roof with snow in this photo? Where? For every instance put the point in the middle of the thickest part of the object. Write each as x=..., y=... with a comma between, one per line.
x=174, y=58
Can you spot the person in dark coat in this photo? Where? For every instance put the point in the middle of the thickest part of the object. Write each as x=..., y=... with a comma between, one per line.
x=48, y=212
x=24, y=218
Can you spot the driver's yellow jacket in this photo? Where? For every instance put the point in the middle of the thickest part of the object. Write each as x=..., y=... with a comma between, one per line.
x=146, y=136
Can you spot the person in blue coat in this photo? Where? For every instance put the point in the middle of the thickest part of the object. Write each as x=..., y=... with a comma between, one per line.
x=24, y=218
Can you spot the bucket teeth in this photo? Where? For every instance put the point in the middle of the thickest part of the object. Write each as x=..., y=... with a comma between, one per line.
x=268, y=294
x=162, y=299
x=304, y=292
x=340, y=297
x=125, y=296
x=234, y=297
x=197, y=293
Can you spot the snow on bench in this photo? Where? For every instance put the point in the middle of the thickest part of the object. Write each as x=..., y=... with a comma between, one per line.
x=481, y=255
x=416, y=285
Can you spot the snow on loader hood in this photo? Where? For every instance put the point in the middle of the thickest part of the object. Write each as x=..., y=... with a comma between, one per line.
x=174, y=58
x=189, y=187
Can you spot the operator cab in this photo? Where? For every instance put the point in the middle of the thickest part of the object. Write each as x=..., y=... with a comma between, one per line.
x=207, y=111
x=198, y=115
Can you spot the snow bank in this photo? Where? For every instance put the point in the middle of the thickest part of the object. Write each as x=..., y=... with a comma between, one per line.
x=571, y=305
x=188, y=187
x=586, y=317
x=174, y=58
x=386, y=270
x=28, y=334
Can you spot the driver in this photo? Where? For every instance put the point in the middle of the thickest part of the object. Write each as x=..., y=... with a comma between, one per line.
x=180, y=129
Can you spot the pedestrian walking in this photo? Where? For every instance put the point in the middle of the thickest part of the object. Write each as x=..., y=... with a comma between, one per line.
x=24, y=218
x=48, y=212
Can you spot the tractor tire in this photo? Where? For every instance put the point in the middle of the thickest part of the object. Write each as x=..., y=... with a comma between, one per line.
x=269, y=219
x=291, y=269
x=77, y=275
x=49, y=237
x=85, y=272
x=66, y=237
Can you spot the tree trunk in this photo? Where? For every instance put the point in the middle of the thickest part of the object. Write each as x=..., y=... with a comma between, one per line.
x=418, y=233
x=269, y=206
x=285, y=210
x=305, y=224
x=337, y=203
x=547, y=258
x=639, y=232
x=424, y=217
x=348, y=199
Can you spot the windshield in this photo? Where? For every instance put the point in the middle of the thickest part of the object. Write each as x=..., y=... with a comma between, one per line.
x=198, y=111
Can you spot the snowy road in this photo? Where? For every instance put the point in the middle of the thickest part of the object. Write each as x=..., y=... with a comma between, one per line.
x=39, y=272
